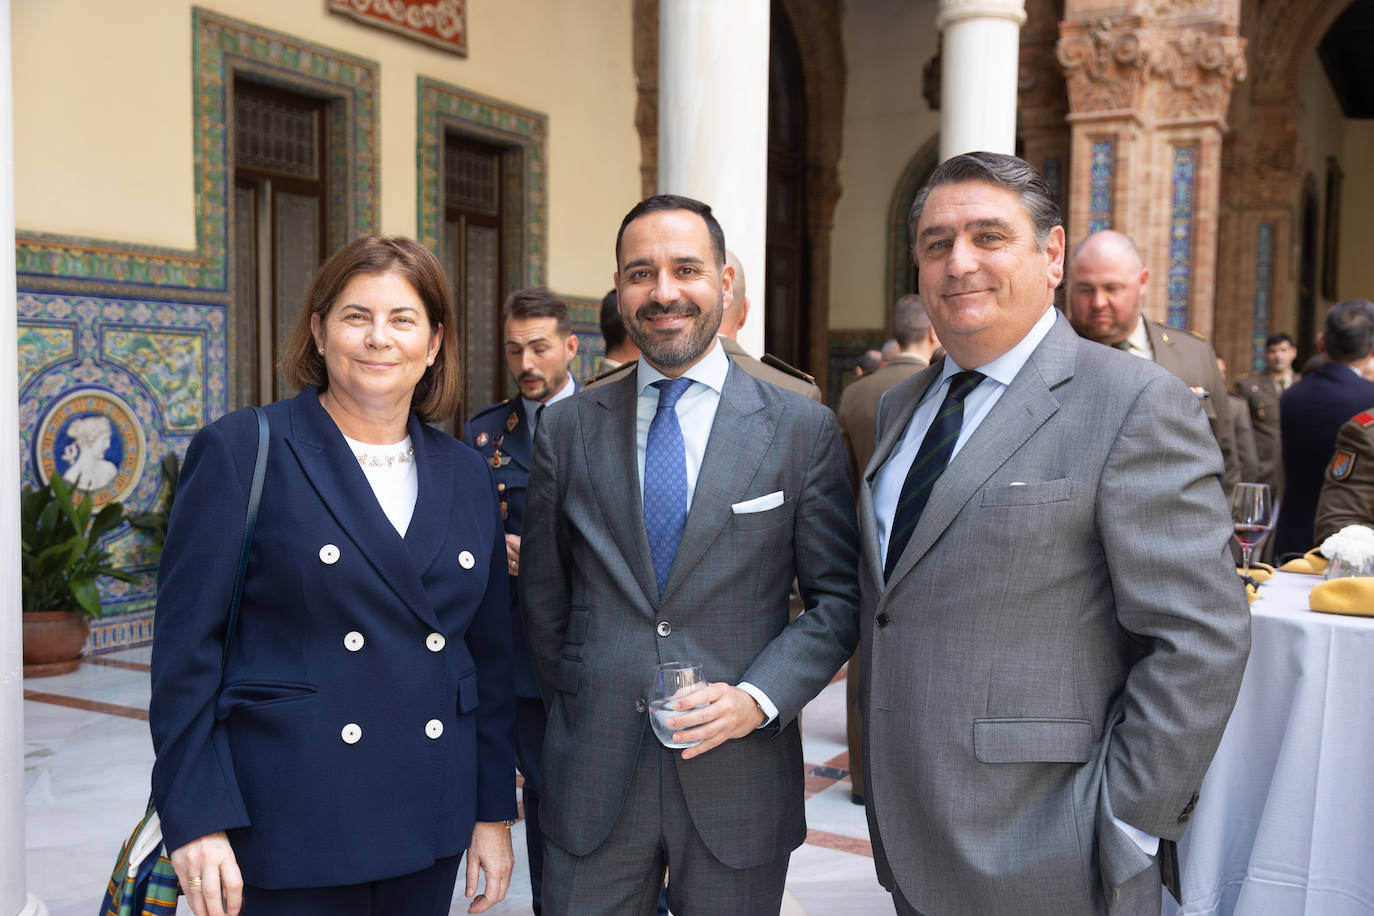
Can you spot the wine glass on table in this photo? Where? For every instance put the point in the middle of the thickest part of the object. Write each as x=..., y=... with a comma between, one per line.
x=1252, y=512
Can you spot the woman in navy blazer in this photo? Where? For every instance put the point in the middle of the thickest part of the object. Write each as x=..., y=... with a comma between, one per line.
x=359, y=737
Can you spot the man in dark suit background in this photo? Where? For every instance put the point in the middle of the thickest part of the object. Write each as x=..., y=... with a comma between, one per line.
x=539, y=346
x=726, y=489
x=1053, y=631
x=1311, y=414
x=1108, y=282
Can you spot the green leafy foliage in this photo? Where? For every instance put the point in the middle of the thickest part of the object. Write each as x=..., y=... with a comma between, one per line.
x=61, y=550
x=155, y=522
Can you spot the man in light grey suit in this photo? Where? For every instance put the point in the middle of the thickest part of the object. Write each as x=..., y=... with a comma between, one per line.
x=669, y=508
x=1053, y=632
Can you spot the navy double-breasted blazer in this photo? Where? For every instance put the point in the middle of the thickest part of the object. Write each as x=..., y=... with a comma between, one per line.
x=365, y=718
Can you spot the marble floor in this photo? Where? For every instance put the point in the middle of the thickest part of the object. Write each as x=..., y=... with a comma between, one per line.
x=87, y=756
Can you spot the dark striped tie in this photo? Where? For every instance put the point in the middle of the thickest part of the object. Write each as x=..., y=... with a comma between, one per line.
x=934, y=453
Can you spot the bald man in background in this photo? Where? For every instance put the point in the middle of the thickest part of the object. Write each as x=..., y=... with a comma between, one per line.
x=1107, y=284
x=769, y=369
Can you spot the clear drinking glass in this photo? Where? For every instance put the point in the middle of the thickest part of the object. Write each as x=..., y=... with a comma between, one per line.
x=672, y=680
x=1252, y=512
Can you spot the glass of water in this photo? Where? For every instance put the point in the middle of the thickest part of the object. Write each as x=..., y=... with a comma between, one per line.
x=671, y=681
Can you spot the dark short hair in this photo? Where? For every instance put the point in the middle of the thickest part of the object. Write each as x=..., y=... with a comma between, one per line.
x=909, y=320
x=612, y=325
x=660, y=202
x=870, y=361
x=437, y=394
x=1009, y=172
x=1273, y=340
x=537, y=302
x=1349, y=332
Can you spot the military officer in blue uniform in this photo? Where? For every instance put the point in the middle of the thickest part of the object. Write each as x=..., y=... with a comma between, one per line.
x=539, y=346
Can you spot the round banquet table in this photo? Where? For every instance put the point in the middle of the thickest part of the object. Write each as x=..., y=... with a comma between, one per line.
x=1285, y=822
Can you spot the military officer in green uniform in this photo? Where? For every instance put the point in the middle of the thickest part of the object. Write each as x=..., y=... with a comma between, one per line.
x=1347, y=496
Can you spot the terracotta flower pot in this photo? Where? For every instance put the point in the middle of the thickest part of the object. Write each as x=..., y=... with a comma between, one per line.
x=53, y=641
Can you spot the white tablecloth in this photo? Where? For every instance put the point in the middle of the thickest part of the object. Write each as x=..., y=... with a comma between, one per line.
x=1285, y=823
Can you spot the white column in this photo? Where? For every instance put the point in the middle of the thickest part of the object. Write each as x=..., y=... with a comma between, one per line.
x=978, y=74
x=713, y=125
x=14, y=899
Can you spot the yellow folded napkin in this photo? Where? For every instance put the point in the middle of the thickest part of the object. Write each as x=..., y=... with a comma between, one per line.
x=1260, y=572
x=1346, y=595
x=1312, y=563
x=1251, y=592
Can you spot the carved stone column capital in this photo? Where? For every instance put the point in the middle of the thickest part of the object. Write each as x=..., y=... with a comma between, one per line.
x=1105, y=63
x=1199, y=67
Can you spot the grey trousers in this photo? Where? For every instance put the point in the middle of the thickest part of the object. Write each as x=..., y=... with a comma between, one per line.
x=624, y=875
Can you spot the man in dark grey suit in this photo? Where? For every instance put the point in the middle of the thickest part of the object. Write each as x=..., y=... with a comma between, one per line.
x=1053, y=632
x=724, y=489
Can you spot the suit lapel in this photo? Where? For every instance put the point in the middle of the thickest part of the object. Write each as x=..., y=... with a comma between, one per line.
x=740, y=436
x=1023, y=408
x=894, y=428
x=433, y=503
x=334, y=473
x=609, y=417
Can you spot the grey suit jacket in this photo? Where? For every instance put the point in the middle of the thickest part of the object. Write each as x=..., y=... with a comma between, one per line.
x=597, y=625
x=1061, y=641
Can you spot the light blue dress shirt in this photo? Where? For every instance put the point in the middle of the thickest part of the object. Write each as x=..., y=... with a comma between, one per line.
x=696, y=411
x=887, y=482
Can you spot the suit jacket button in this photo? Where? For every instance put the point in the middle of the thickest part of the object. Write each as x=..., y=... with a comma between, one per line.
x=466, y=559
x=434, y=728
x=1184, y=817
x=640, y=705
x=351, y=733
x=329, y=554
x=663, y=628
x=882, y=620
x=353, y=641
x=435, y=642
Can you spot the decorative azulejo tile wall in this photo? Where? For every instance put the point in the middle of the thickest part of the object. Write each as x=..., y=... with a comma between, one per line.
x=122, y=347
x=1181, y=235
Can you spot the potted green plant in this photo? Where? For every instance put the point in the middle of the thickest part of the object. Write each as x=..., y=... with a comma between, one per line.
x=61, y=557
x=154, y=523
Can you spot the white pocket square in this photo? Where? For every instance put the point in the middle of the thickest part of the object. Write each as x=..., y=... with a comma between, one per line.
x=758, y=504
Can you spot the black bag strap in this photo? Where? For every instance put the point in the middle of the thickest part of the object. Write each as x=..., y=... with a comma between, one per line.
x=254, y=499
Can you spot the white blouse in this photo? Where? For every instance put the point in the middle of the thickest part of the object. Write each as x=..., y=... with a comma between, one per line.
x=395, y=481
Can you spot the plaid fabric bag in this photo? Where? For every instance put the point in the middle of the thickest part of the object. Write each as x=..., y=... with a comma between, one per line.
x=143, y=882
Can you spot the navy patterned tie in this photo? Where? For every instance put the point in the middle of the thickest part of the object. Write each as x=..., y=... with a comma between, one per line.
x=934, y=453
x=665, y=479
